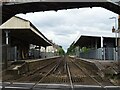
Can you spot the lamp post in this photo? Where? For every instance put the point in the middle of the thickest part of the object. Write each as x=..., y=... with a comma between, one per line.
x=114, y=29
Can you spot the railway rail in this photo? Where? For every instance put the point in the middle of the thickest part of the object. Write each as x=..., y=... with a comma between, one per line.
x=64, y=70
x=89, y=77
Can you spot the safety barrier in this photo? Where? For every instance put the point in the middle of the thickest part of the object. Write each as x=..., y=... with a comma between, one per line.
x=101, y=54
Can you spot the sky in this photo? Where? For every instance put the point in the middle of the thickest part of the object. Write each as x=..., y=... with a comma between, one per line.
x=65, y=26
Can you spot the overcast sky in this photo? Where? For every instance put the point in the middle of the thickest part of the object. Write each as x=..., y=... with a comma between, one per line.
x=66, y=26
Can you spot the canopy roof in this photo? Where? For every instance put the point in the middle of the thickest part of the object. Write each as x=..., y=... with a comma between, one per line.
x=25, y=31
x=10, y=9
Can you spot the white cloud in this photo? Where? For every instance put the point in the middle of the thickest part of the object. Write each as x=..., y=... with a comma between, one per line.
x=64, y=26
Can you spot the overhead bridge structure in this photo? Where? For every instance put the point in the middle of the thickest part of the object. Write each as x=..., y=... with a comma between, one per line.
x=10, y=8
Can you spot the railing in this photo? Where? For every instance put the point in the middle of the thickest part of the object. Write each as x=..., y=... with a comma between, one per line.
x=101, y=54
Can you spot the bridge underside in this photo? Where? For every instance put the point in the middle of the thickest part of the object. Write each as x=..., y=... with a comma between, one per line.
x=13, y=9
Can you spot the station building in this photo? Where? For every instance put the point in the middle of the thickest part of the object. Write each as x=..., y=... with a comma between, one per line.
x=21, y=40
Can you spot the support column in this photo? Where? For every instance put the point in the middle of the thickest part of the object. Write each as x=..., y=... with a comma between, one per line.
x=77, y=51
x=54, y=50
x=1, y=42
x=119, y=22
x=7, y=37
x=96, y=44
x=45, y=52
x=39, y=52
x=119, y=40
x=0, y=47
x=6, y=49
x=15, y=53
x=103, y=49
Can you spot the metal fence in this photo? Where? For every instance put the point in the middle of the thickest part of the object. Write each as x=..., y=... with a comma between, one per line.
x=11, y=54
x=101, y=54
x=109, y=53
x=92, y=54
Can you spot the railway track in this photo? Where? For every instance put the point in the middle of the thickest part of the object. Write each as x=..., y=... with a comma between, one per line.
x=87, y=76
x=35, y=73
x=80, y=76
x=64, y=70
x=55, y=74
x=77, y=75
x=94, y=73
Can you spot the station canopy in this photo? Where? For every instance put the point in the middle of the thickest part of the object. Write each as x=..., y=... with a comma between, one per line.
x=88, y=41
x=13, y=7
x=23, y=30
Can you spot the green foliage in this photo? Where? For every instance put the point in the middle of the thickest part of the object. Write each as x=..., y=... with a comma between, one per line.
x=71, y=50
x=61, y=51
x=85, y=49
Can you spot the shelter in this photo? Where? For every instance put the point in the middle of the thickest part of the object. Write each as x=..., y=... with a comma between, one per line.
x=98, y=47
x=17, y=36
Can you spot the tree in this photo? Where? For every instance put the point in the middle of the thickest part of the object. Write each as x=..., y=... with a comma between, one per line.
x=71, y=50
x=61, y=51
x=85, y=49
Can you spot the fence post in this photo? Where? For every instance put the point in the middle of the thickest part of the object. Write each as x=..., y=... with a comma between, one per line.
x=103, y=53
x=114, y=54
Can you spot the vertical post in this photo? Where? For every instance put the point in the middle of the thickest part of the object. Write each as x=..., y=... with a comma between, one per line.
x=15, y=53
x=103, y=50
x=54, y=48
x=45, y=52
x=96, y=44
x=7, y=43
x=116, y=48
x=78, y=51
x=119, y=37
x=1, y=42
x=7, y=37
x=116, y=42
x=114, y=53
x=103, y=53
x=39, y=52
x=1, y=48
x=119, y=22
